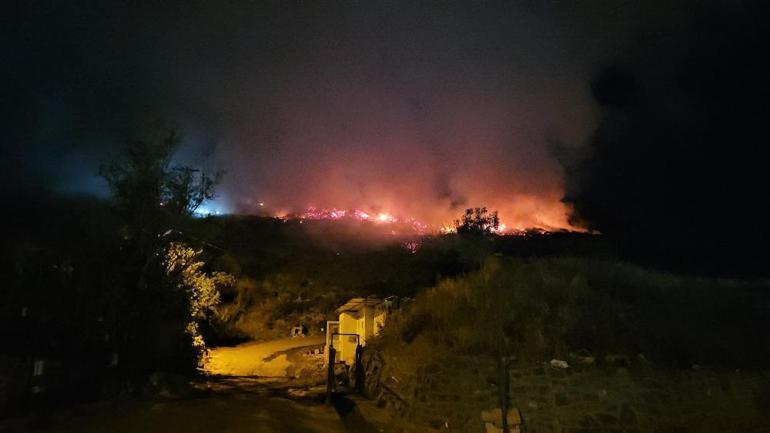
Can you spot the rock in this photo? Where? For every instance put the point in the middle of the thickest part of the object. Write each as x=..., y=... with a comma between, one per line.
x=491, y=415
x=491, y=428
x=558, y=363
x=495, y=416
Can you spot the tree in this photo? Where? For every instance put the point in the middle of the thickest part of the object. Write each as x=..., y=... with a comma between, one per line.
x=184, y=268
x=187, y=188
x=477, y=221
x=145, y=184
x=151, y=195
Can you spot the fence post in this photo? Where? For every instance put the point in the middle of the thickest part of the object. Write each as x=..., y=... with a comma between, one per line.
x=330, y=378
x=359, y=365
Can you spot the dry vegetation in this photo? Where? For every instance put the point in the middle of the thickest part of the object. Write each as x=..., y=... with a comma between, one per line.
x=535, y=310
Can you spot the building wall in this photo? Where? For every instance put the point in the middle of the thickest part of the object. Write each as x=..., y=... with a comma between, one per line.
x=379, y=321
x=366, y=323
x=332, y=326
x=349, y=324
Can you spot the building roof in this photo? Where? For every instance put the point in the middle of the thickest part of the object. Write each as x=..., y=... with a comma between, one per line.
x=355, y=305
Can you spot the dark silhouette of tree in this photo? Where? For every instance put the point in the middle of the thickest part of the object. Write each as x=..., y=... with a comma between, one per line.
x=144, y=183
x=477, y=221
x=187, y=188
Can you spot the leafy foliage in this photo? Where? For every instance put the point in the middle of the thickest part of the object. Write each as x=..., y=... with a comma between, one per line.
x=201, y=290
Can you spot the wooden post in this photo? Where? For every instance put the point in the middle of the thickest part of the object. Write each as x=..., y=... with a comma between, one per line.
x=359, y=365
x=330, y=377
x=504, y=392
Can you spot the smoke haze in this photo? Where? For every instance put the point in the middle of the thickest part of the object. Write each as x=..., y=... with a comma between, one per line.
x=415, y=109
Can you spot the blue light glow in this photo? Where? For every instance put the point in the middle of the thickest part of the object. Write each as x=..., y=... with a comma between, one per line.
x=211, y=208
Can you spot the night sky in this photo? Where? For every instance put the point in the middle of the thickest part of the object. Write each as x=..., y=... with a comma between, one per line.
x=416, y=108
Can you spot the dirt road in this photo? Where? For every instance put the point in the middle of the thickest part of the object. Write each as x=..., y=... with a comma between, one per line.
x=256, y=359
x=227, y=402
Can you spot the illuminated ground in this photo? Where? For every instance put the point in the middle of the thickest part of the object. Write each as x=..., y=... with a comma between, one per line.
x=256, y=359
x=228, y=402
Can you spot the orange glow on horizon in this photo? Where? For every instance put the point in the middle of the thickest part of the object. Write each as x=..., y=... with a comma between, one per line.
x=542, y=225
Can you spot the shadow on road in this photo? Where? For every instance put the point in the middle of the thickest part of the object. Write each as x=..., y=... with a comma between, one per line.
x=351, y=416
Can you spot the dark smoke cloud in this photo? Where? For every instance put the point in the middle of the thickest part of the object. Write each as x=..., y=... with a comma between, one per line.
x=678, y=161
x=417, y=108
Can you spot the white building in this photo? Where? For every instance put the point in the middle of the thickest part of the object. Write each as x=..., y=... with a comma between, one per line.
x=359, y=319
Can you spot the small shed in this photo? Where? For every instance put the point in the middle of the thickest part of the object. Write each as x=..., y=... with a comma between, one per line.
x=359, y=319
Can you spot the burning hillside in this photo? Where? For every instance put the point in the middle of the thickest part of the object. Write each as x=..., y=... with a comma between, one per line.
x=394, y=224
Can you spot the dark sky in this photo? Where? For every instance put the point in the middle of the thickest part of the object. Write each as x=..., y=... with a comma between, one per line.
x=412, y=108
x=679, y=158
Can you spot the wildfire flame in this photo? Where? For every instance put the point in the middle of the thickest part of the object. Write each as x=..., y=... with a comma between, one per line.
x=388, y=219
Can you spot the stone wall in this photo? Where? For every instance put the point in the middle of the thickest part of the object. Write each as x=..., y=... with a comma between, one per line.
x=446, y=392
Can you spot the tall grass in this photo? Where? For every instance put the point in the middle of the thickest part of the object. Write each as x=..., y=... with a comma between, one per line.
x=537, y=309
